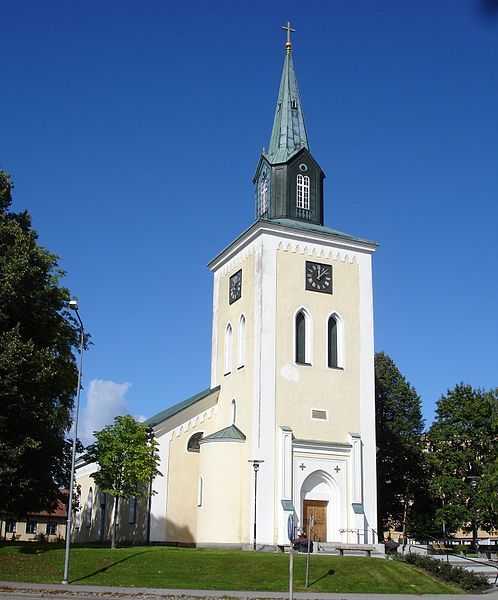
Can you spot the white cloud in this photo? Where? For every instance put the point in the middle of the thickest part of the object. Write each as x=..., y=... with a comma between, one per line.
x=105, y=400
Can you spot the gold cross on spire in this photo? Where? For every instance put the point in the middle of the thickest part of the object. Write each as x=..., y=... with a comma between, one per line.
x=288, y=45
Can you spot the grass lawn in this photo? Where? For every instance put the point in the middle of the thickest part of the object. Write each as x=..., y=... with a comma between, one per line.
x=163, y=567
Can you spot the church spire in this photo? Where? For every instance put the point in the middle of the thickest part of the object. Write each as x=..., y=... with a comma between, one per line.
x=289, y=131
x=288, y=180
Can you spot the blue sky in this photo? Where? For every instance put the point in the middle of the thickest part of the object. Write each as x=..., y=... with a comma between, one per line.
x=132, y=131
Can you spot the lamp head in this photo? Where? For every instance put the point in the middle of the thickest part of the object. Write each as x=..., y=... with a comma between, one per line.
x=73, y=304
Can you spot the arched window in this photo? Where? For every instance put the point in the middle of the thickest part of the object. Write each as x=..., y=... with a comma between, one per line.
x=193, y=443
x=234, y=411
x=201, y=491
x=241, y=343
x=132, y=510
x=89, y=506
x=303, y=192
x=228, y=349
x=334, y=342
x=263, y=196
x=303, y=338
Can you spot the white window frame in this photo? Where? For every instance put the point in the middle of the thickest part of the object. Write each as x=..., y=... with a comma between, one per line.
x=241, y=342
x=54, y=524
x=227, y=364
x=308, y=338
x=303, y=192
x=132, y=510
x=10, y=526
x=34, y=526
x=263, y=196
x=188, y=442
x=89, y=506
x=340, y=342
x=200, y=494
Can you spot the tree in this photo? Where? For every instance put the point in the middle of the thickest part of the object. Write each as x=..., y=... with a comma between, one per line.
x=401, y=469
x=463, y=457
x=38, y=372
x=127, y=457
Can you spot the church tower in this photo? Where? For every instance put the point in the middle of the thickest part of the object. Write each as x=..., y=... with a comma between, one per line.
x=293, y=357
x=292, y=379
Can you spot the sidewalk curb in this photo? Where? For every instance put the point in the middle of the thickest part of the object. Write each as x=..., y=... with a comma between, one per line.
x=78, y=591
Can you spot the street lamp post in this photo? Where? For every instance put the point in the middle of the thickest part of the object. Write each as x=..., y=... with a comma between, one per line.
x=150, y=437
x=473, y=483
x=74, y=306
x=255, y=466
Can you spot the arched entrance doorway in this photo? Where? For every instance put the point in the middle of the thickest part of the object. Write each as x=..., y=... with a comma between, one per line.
x=319, y=498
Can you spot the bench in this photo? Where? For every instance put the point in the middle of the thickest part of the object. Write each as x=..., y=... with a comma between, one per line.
x=349, y=548
x=437, y=548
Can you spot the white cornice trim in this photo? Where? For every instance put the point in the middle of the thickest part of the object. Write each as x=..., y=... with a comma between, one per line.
x=316, y=446
x=299, y=236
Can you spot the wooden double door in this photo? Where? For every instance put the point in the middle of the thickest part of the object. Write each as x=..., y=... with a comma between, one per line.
x=317, y=508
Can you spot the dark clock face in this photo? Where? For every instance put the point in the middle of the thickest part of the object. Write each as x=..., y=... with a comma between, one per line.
x=318, y=277
x=235, y=289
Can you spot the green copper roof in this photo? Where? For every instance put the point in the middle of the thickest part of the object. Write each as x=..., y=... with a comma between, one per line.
x=306, y=226
x=229, y=434
x=289, y=131
x=173, y=410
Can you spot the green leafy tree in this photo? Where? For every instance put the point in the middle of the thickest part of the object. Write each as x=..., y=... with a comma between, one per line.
x=127, y=456
x=401, y=469
x=38, y=372
x=463, y=458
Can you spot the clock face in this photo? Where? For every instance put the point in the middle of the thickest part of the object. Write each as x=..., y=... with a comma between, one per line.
x=235, y=287
x=318, y=277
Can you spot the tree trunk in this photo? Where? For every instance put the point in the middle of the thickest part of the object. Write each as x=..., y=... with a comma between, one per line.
x=114, y=521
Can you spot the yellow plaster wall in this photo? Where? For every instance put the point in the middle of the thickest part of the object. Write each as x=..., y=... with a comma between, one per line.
x=183, y=484
x=226, y=474
x=317, y=386
x=238, y=384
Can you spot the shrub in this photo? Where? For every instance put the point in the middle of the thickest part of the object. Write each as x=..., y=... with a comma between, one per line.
x=467, y=580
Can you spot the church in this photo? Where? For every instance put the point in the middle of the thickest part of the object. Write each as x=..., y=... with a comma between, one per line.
x=287, y=424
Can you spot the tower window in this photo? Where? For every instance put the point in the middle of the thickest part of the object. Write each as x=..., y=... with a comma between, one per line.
x=263, y=196
x=334, y=342
x=234, y=411
x=241, y=346
x=303, y=338
x=228, y=350
x=293, y=103
x=303, y=192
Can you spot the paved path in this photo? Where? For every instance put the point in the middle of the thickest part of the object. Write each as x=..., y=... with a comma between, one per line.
x=483, y=566
x=35, y=591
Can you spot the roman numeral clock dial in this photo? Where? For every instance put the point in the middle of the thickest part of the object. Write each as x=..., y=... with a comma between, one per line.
x=235, y=287
x=318, y=277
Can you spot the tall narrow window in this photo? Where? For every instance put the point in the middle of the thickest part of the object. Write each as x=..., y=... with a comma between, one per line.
x=303, y=337
x=201, y=491
x=89, y=507
x=335, y=341
x=241, y=343
x=228, y=350
x=234, y=411
x=303, y=192
x=132, y=510
x=333, y=358
x=263, y=197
